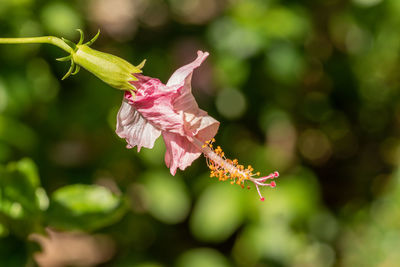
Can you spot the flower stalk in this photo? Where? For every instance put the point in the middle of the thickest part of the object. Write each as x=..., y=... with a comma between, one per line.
x=113, y=70
x=39, y=40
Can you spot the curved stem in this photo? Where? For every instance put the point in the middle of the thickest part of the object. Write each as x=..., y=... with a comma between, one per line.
x=39, y=40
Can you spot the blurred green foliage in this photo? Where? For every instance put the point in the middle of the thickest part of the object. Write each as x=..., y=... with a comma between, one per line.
x=306, y=88
x=84, y=207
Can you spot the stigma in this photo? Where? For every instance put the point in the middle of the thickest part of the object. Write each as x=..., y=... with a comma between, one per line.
x=225, y=169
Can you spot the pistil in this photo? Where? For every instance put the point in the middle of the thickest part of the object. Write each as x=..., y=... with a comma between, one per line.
x=225, y=169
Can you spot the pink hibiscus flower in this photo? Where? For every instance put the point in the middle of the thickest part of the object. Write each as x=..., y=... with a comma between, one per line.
x=170, y=110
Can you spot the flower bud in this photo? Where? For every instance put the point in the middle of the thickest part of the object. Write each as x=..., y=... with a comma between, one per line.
x=111, y=69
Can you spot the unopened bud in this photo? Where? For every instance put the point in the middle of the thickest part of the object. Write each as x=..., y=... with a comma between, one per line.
x=111, y=69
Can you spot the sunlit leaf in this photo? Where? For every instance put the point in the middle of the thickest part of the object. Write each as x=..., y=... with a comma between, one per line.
x=85, y=207
x=22, y=200
x=20, y=183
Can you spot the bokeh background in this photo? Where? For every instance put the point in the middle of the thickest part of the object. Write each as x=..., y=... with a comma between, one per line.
x=308, y=88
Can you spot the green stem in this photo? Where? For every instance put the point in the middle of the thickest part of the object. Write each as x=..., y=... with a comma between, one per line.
x=38, y=40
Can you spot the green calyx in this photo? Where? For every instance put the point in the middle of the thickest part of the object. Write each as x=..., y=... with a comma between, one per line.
x=111, y=69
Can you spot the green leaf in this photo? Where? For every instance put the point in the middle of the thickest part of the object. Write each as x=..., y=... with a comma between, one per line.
x=84, y=207
x=22, y=200
x=20, y=185
x=29, y=169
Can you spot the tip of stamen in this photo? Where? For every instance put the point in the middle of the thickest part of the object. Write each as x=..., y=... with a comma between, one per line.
x=273, y=184
x=276, y=174
x=262, y=199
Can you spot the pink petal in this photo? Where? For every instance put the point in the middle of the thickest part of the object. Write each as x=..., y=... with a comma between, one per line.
x=184, y=74
x=180, y=152
x=196, y=121
x=172, y=109
x=202, y=126
x=157, y=108
x=136, y=130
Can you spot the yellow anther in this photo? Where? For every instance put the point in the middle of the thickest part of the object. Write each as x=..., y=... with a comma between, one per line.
x=224, y=169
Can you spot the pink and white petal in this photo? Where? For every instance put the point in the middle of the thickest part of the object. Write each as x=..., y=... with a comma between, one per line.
x=180, y=152
x=145, y=86
x=200, y=125
x=208, y=127
x=155, y=104
x=185, y=101
x=196, y=121
x=134, y=128
x=158, y=110
x=183, y=75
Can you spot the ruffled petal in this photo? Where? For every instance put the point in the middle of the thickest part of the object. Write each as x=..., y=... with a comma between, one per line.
x=170, y=109
x=159, y=111
x=184, y=74
x=180, y=152
x=201, y=125
x=136, y=130
x=196, y=121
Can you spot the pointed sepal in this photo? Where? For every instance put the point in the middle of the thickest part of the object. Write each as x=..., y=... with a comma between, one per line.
x=93, y=39
x=77, y=69
x=67, y=58
x=71, y=68
x=82, y=36
x=141, y=65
